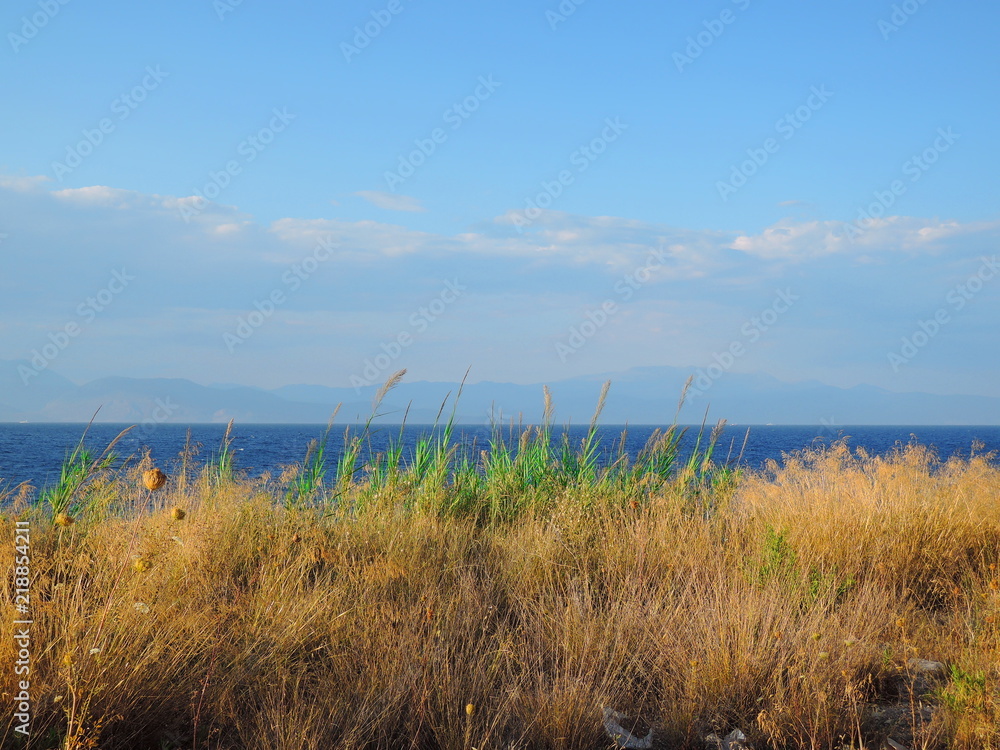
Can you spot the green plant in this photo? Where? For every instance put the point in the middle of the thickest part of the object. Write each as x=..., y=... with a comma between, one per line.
x=777, y=558
x=307, y=484
x=187, y=454
x=966, y=691
x=499, y=585
x=820, y=584
x=68, y=497
x=579, y=466
x=348, y=464
x=220, y=468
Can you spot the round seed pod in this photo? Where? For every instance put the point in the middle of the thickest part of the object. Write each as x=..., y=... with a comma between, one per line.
x=154, y=479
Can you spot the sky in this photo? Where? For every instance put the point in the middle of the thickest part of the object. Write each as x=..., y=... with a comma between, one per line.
x=266, y=194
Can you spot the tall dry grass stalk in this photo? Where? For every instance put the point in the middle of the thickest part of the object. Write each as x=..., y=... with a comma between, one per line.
x=785, y=611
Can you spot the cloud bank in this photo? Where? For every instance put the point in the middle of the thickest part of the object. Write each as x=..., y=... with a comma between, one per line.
x=320, y=297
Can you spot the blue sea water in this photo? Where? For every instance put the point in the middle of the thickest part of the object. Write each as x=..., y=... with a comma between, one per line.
x=34, y=452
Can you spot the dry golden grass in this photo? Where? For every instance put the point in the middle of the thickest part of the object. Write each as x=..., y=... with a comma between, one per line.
x=242, y=624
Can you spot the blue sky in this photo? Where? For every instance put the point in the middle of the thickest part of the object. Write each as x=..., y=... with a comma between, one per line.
x=268, y=194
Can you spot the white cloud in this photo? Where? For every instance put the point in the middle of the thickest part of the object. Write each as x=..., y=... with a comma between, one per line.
x=789, y=240
x=209, y=215
x=23, y=184
x=225, y=229
x=101, y=195
x=362, y=241
x=391, y=201
x=607, y=245
x=524, y=289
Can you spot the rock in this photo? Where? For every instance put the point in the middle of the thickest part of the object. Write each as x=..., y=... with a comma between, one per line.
x=735, y=740
x=926, y=671
x=622, y=737
x=901, y=721
x=927, y=668
x=924, y=675
x=916, y=681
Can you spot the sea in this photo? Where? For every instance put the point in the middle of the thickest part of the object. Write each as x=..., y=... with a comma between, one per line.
x=34, y=452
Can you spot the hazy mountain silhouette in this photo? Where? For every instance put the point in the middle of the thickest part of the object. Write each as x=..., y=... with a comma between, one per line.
x=641, y=395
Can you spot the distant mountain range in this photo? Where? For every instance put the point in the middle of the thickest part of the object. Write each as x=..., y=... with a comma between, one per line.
x=642, y=395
